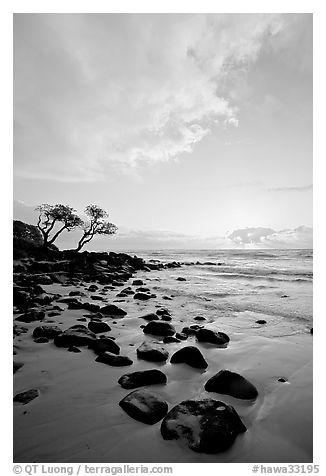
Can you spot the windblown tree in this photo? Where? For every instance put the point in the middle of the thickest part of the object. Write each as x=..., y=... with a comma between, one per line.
x=52, y=215
x=97, y=224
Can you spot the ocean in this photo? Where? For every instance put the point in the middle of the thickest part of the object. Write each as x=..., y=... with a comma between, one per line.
x=274, y=285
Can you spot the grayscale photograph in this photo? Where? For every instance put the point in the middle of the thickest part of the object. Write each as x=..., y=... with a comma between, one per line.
x=162, y=238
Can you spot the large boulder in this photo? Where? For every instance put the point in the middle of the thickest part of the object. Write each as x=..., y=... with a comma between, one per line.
x=114, y=360
x=50, y=332
x=212, y=337
x=98, y=327
x=137, y=282
x=77, y=335
x=112, y=310
x=76, y=305
x=142, y=378
x=159, y=328
x=205, y=426
x=188, y=331
x=144, y=406
x=189, y=355
x=89, y=306
x=142, y=296
x=105, y=344
x=152, y=352
x=31, y=316
x=26, y=397
x=231, y=383
x=44, y=298
x=21, y=296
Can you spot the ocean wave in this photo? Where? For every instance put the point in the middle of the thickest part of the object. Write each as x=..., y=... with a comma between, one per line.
x=281, y=277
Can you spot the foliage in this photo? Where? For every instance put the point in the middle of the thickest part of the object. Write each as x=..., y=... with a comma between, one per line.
x=27, y=233
x=50, y=216
x=97, y=224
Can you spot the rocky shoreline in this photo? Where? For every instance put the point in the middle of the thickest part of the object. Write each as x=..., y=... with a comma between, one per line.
x=75, y=302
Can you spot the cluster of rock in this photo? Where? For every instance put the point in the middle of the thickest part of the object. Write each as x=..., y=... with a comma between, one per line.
x=205, y=425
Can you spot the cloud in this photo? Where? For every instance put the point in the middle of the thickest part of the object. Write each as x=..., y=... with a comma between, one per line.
x=102, y=92
x=259, y=237
x=303, y=188
x=250, y=236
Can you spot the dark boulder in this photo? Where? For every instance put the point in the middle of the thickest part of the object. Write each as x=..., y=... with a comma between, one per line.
x=170, y=340
x=97, y=327
x=181, y=336
x=112, y=310
x=76, y=305
x=73, y=349
x=137, y=282
x=261, y=321
x=188, y=331
x=163, y=312
x=159, y=328
x=181, y=279
x=46, y=331
x=152, y=352
x=68, y=300
x=233, y=384
x=205, y=426
x=97, y=298
x=77, y=335
x=105, y=345
x=77, y=293
x=166, y=317
x=150, y=317
x=189, y=355
x=113, y=359
x=54, y=313
x=31, y=316
x=142, y=378
x=26, y=397
x=212, y=337
x=93, y=288
x=43, y=279
x=128, y=291
x=200, y=318
x=143, y=290
x=89, y=306
x=142, y=296
x=144, y=406
x=21, y=296
x=17, y=366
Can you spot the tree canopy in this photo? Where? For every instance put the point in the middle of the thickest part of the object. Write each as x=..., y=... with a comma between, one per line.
x=27, y=233
x=97, y=224
x=50, y=216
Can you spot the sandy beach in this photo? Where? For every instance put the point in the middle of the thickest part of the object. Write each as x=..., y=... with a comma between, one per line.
x=76, y=417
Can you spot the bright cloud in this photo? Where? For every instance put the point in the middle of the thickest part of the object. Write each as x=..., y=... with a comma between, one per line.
x=96, y=92
x=259, y=237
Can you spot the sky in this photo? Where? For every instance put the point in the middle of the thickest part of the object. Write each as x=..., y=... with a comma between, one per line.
x=192, y=130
